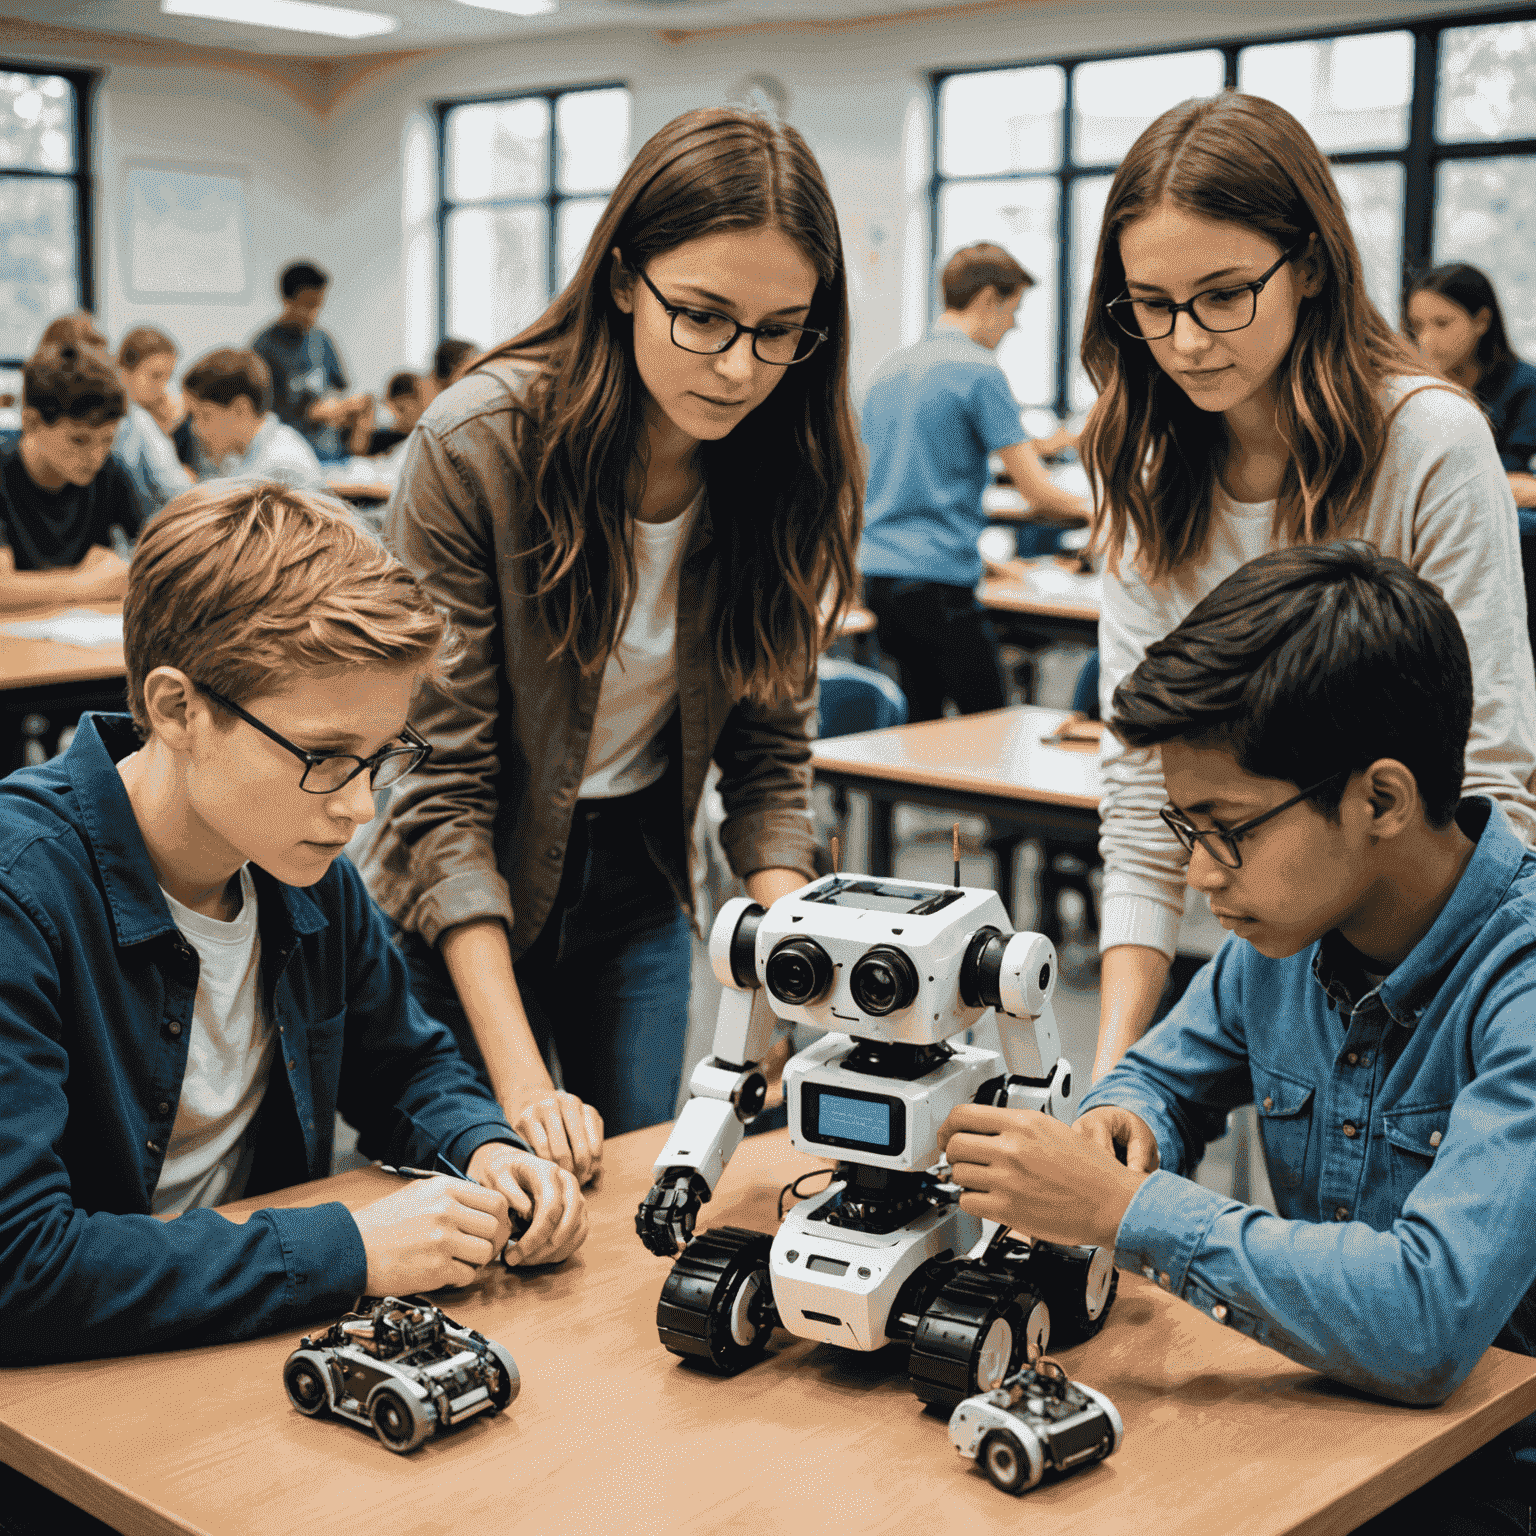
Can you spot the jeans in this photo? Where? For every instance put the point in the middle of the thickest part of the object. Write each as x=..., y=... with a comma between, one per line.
x=942, y=642
x=606, y=983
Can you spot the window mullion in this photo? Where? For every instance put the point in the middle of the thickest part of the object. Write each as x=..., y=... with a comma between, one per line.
x=1419, y=166
x=1064, y=250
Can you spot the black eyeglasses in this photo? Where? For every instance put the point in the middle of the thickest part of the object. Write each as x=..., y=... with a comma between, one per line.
x=1222, y=846
x=326, y=772
x=1219, y=310
x=708, y=333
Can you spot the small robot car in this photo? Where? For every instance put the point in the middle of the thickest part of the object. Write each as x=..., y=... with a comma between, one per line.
x=403, y=1368
x=1035, y=1421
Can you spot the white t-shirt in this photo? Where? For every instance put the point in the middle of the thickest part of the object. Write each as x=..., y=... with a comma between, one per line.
x=278, y=453
x=228, y=1057
x=1441, y=504
x=639, y=690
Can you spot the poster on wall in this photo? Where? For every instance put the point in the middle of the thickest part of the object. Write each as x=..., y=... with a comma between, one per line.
x=187, y=234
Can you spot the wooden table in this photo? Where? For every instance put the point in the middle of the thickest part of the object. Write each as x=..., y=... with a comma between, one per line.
x=1005, y=503
x=46, y=685
x=1027, y=596
x=993, y=764
x=613, y=1435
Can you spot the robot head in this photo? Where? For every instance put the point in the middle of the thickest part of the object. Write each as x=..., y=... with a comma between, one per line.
x=884, y=959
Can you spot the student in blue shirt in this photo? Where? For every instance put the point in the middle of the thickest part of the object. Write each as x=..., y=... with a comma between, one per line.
x=1376, y=1000
x=192, y=983
x=1454, y=316
x=933, y=413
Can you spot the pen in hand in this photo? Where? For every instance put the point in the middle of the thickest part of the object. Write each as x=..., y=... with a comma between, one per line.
x=519, y=1223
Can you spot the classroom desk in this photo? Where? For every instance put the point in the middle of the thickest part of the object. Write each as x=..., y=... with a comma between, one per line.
x=994, y=764
x=857, y=628
x=1006, y=504
x=611, y=1434
x=1043, y=598
x=52, y=683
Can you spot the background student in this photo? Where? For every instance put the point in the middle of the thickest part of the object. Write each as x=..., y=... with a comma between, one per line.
x=192, y=982
x=933, y=413
x=147, y=358
x=1252, y=396
x=305, y=366
x=1454, y=316
x=448, y=357
x=228, y=392
x=62, y=493
x=404, y=397
x=1312, y=713
x=673, y=444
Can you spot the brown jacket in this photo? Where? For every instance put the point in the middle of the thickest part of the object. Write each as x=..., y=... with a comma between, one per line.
x=480, y=830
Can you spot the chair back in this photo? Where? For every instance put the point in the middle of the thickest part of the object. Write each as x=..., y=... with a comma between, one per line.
x=854, y=698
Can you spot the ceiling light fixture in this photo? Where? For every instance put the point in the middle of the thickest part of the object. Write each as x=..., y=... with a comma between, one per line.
x=288, y=15
x=516, y=7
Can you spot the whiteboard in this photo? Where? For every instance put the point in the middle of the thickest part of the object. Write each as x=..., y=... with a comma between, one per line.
x=186, y=232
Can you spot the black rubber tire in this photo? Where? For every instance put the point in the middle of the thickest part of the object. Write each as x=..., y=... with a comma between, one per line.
x=304, y=1377
x=1065, y=1277
x=511, y=1382
x=398, y=1419
x=706, y=1287
x=1002, y=1458
x=950, y=1338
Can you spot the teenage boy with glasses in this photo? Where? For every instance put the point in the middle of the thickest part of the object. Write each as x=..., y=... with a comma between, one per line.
x=1376, y=1001
x=192, y=983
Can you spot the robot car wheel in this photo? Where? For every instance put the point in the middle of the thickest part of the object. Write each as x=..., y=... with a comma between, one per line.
x=398, y=1419
x=511, y=1381
x=1002, y=1458
x=717, y=1306
x=1080, y=1285
x=979, y=1328
x=304, y=1377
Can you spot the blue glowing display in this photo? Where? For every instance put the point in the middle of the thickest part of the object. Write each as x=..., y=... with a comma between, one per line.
x=854, y=1119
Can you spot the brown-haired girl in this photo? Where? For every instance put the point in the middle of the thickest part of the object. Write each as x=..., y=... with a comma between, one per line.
x=633, y=510
x=146, y=358
x=1252, y=397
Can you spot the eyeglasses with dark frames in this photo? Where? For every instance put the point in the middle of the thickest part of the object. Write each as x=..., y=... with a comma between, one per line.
x=1218, y=310
x=708, y=333
x=1222, y=845
x=327, y=772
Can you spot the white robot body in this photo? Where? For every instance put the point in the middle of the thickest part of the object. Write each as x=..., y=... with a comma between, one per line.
x=837, y=1286
x=893, y=974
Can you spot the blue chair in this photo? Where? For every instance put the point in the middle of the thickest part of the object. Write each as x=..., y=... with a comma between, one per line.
x=855, y=698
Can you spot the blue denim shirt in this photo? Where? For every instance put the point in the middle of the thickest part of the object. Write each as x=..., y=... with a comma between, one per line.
x=1399, y=1130
x=96, y=992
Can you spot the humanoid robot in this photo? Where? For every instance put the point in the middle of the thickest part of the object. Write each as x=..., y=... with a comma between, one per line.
x=895, y=973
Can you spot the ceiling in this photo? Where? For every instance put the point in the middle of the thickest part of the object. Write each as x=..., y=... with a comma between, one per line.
x=428, y=24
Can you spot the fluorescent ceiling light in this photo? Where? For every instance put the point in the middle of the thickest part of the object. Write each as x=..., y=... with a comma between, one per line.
x=288, y=15
x=515, y=7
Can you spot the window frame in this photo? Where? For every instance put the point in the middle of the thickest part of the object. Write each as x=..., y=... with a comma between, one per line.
x=83, y=82
x=1421, y=156
x=550, y=200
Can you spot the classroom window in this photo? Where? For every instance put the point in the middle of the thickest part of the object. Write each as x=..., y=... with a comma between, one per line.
x=45, y=267
x=524, y=181
x=1431, y=128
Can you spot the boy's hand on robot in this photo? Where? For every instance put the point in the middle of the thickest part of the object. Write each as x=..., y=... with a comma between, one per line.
x=1035, y=1174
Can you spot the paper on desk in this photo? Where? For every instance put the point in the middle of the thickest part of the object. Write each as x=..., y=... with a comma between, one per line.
x=1052, y=581
x=75, y=626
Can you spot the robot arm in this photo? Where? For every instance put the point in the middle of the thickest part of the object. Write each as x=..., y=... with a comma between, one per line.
x=726, y=1089
x=1016, y=974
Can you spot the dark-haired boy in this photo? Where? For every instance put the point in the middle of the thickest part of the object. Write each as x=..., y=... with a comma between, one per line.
x=1377, y=1001
x=61, y=491
x=227, y=395
x=305, y=365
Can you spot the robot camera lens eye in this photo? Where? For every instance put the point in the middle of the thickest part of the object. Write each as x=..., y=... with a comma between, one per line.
x=883, y=981
x=798, y=971
x=1045, y=977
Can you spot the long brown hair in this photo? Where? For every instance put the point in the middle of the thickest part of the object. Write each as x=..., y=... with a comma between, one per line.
x=785, y=485
x=1151, y=453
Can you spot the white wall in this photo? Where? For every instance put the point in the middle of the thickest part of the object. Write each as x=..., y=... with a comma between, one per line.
x=350, y=180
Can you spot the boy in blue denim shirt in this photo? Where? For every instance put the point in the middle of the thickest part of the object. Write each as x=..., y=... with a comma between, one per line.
x=192, y=982
x=1376, y=1001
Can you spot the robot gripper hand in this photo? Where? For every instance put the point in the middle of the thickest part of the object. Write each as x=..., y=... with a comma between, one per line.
x=667, y=1215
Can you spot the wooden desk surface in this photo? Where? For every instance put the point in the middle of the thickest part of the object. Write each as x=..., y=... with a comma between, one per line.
x=612, y=1434
x=998, y=753
x=38, y=663
x=1044, y=587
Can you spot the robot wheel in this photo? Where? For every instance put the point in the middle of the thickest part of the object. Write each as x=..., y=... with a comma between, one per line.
x=980, y=1327
x=716, y=1306
x=1078, y=1284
